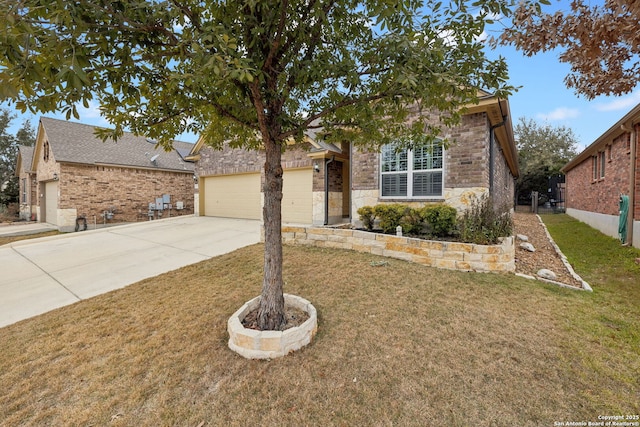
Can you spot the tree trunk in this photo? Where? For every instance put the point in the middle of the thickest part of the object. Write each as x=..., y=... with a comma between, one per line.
x=271, y=310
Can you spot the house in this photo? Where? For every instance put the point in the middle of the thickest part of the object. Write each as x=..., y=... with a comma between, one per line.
x=326, y=184
x=601, y=175
x=28, y=183
x=79, y=175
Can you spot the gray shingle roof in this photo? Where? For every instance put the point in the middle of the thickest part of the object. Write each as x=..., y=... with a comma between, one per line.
x=26, y=154
x=77, y=143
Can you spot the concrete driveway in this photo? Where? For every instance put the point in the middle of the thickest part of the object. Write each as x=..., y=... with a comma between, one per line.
x=43, y=274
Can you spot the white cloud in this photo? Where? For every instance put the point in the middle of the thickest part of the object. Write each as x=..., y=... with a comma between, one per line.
x=624, y=103
x=561, y=113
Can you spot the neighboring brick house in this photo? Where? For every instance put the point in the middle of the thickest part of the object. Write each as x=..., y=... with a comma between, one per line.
x=482, y=159
x=78, y=174
x=28, y=183
x=598, y=177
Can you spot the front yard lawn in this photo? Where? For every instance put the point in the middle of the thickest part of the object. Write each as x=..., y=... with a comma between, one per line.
x=397, y=344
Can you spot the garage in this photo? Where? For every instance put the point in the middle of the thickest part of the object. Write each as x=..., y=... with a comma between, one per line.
x=232, y=196
x=239, y=196
x=297, y=196
x=51, y=202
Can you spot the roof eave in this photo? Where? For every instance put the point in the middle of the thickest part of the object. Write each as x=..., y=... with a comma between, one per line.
x=629, y=119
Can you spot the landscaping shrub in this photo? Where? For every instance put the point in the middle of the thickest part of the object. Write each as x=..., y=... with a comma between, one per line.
x=390, y=216
x=441, y=219
x=483, y=225
x=367, y=217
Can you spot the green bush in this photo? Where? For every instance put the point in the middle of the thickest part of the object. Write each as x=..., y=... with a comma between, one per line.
x=390, y=216
x=441, y=219
x=367, y=217
x=483, y=225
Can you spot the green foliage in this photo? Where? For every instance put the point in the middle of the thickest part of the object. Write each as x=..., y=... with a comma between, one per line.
x=441, y=219
x=8, y=156
x=482, y=224
x=393, y=215
x=542, y=151
x=367, y=216
x=231, y=70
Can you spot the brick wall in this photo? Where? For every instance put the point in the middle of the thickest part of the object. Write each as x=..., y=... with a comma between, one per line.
x=235, y=160
x=91, y=190
x=467, y=162
x=503, y=182
x=602, y=194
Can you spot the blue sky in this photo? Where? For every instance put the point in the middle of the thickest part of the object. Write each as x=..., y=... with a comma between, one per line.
x=542, y=97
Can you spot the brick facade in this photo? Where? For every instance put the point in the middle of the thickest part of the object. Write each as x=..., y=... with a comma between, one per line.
x=85, y=188
x=602, y=194
x=467, y=161
x=597, y=177
x=227, y=160
x=92, y=190
x=354, y=178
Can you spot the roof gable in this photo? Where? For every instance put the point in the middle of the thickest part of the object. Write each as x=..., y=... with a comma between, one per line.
x=25, y=159
x=77, y=143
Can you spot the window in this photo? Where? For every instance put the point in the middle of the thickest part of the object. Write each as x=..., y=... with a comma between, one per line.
x=24, y=190
x=411, y=174
x=603, y=161
x=594, y=168
x=45, y=154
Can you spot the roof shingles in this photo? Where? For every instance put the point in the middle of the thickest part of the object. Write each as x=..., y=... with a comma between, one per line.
x=77, y=143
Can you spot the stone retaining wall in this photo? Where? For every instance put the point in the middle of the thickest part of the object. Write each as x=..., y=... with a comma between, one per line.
x=448, y=255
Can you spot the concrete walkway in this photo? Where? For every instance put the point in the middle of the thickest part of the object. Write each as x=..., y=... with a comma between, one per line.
x=42, y=274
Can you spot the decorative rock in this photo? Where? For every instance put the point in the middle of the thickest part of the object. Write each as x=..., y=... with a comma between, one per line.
x=527, y=247
x=522, y=237
x=546, y=274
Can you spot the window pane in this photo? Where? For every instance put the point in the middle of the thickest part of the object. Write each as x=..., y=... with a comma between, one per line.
x=394, y=185
x=428, y=157
x=427, y=184
x=392, y=161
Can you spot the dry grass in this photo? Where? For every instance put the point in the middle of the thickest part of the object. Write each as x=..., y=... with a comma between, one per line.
x=4, y=240
x=398, y=344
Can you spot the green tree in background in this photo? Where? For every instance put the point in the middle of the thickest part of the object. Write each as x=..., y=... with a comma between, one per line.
x=9, y=186
x=542, y=151
x=253, y=74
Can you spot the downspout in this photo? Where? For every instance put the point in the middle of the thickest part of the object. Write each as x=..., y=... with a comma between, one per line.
x=492, y=138
x=326, y=189
x=632, y=183
x=350, y=182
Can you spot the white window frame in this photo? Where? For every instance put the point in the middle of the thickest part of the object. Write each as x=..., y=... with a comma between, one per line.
x=410, y=172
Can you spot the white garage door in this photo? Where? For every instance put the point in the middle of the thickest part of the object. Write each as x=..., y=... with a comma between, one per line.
x=51, y=202
x=238, y=196
x=297, y=196
x=232, y=196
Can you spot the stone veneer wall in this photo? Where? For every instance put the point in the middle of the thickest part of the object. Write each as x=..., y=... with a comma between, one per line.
x=448, y=255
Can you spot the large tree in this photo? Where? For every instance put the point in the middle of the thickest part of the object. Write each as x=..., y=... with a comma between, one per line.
x=542, y=151
x=253, y=74
x=9, y=153
x=601, y=42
